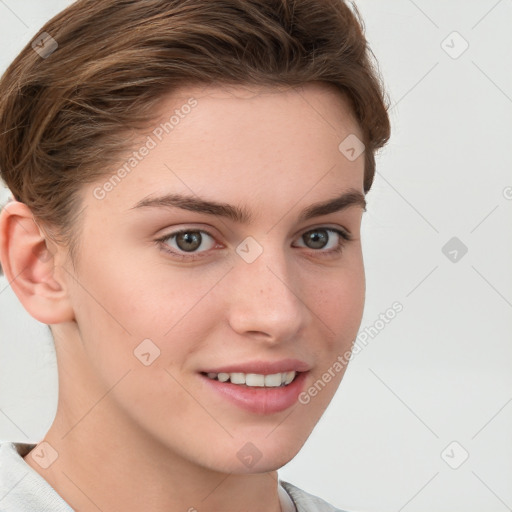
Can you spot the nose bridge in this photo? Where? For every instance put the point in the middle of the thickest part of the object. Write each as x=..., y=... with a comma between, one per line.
x=266, y=295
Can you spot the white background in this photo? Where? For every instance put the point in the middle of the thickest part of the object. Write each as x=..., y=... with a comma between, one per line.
x=440, y=371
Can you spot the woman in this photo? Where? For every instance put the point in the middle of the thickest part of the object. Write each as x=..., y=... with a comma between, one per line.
x=188, y=182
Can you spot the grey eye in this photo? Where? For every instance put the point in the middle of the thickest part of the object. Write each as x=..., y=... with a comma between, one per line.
x=190, y=240
x=318, y=238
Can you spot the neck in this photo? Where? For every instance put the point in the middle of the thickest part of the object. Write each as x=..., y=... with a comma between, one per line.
x=107, y=468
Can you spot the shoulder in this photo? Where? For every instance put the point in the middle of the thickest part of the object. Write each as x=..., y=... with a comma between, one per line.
x=305, y=502
x=21, y=488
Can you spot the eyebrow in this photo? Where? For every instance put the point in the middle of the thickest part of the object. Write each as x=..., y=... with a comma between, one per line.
x=350, y=198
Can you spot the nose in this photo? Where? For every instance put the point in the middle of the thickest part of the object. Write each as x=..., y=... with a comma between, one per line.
x=266, y=299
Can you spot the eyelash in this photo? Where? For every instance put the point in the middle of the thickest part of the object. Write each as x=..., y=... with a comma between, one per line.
x=344, y=238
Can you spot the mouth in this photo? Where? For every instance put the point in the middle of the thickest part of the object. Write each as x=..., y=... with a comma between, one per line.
x=257, y=393
x=254, y=380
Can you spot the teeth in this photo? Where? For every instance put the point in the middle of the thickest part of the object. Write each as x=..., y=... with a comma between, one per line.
x=223, y=377
x=289, y=377
x=255, y=379
x=237, y=378
x=258, y=380
x=273, y=380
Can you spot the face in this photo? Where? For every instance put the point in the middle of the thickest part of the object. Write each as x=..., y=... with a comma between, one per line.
x=173, y=294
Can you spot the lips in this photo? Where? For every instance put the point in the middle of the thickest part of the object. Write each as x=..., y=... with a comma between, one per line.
x=258, y=399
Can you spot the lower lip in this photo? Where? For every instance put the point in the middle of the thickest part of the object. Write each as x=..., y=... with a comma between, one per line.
x=260, y=400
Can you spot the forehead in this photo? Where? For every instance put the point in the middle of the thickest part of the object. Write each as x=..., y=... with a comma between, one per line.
x=268, y=144
x=234, y=128
x=318, y=101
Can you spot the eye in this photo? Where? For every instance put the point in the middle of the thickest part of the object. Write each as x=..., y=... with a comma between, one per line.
x=320, y=238
x=187, y=241
x=185, y=244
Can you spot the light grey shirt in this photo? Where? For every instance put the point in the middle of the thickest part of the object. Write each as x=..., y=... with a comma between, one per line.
x=22, y=489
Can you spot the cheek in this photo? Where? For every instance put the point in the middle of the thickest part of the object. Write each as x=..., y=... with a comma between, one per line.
x=110, y=301
x=339, y=305
x=119, y=306
x=339, y=308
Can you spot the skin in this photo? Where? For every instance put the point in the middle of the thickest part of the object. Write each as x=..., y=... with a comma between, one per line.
x=135, y=437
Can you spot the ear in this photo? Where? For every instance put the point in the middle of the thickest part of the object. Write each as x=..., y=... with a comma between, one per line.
x=30, y=267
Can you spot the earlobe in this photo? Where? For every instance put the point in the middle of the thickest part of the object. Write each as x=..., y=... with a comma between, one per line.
x=30, y=266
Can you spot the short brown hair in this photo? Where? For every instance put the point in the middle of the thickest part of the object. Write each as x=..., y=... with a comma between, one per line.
x=64, y=118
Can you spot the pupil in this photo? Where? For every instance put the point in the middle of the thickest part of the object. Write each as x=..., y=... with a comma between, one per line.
x=319, y=238
x=192, y=242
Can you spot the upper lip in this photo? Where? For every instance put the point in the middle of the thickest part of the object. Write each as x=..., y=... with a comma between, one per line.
x=263, y=367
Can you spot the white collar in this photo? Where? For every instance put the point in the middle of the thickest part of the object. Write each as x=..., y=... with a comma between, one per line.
x=287, y=504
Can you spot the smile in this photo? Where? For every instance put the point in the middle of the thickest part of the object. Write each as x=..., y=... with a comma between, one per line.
x=259, y=380
x=257, y=393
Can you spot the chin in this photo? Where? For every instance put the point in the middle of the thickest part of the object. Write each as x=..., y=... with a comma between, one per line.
x=256, y=453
